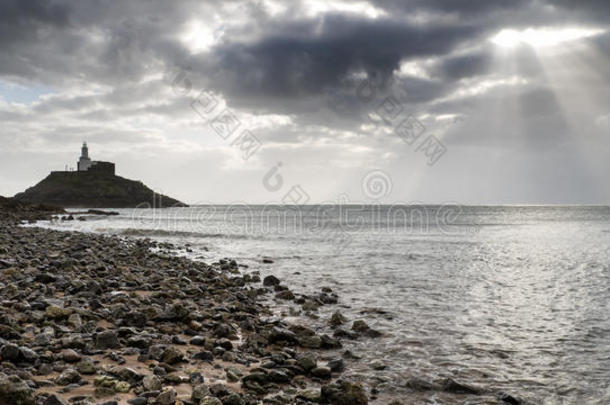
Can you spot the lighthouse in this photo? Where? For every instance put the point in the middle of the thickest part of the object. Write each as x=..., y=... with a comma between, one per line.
x=84, y=163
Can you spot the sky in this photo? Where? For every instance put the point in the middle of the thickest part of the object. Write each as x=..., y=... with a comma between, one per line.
x=307, y=101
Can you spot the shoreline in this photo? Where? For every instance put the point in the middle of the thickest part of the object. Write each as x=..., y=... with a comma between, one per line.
x=94, y=319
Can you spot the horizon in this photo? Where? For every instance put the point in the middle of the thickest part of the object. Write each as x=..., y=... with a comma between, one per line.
x=479, y=103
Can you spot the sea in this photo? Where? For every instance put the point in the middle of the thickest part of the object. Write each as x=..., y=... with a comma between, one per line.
x=513, y=300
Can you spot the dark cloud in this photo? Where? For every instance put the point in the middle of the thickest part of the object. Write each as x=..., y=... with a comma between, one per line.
x=17, y=12
x=327, y=52
x=461, y=7
x=593, y=11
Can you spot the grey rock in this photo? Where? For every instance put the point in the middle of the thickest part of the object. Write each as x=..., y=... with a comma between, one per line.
x=68, y=376
x=107, y=339
x=172, y=355
x=307, y=361
x=138, y=401
x=15, y=391
x=55, y=399
x=152, y=383
x=167, y=397
x=321, y=372
x=10, y=352
x=200, y=392
x=271, y=281
x=209, y=400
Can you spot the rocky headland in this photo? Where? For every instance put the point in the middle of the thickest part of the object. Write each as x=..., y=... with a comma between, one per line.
x=94, y=189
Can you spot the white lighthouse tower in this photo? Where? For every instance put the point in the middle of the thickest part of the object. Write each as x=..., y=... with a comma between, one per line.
x=84, y=163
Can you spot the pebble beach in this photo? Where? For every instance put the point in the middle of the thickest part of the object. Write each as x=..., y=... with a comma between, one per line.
x=93, y=319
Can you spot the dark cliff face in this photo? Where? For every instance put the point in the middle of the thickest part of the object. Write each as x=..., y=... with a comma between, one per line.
x=94, y=190
x=12, y=210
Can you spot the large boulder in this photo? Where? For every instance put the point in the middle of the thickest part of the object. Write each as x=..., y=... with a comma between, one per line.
x=344, y=393
x=14, y=391
x=107, y=339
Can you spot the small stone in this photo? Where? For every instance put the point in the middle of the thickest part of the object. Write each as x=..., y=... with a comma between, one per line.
x=344, y=393
x=68, y=376
x=177, y=340
x=197, y=340
x=210, y=401
x=450, y=385
x=309, y=395
x=224, y=343
x=195, y=325
x=10, y=352
x=378, y=365
x=167, y=397
x=122, y=386
x=127, y=374
x=311, y=342
x=330, y=343
x=200, y=392
x=419, y=384
x=101, y=392
x=152, y=383
x=135, y=318
x=271, y=281
x=307, y=361
x=75, y=321
x=196, y=378
x=285, y=295
x=337, y=319
x=104, y=381
x=141, y=342
x=233, y=399
x=160, y=371
x=15, y=391
x=205, y=355
x=172, y=355
x=321, y=372
x=175, y=378
x=361, y=327
x=86, y=366
x=278, y=376
x=336, y=365
x=282, y=336
x=45, y=369
x=70, y=356
x=231, y=376
x=54, y=399
x=107, y=339
x=509, y=399
x=45, y=278
x=28, y=354
x=43, y=339
x=56, y=312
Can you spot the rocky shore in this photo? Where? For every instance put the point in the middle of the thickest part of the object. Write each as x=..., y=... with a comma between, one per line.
x=91, y=319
